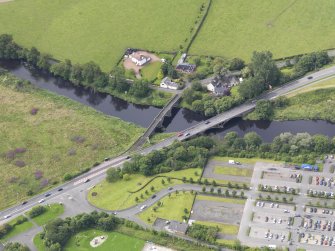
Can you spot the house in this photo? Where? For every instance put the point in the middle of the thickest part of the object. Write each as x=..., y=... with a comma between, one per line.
x=139, y=60
x=186, y=67
x=220, y=85
x=182, y=58
x=168, y=84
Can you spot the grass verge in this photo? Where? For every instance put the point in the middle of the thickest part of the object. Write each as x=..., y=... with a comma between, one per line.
x=17, y=229
x=221, y=199
x=52, y=212
x=224, y=228
x=234, y=171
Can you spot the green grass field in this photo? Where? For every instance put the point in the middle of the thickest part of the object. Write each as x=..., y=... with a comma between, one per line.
x=18, y=229
x=224, y=228
x=314, y=105
x=244, y=160
x=116, y=196
x=150, y=71
x=114, y=242
x=53, y=211
x=82, y=30
x=322, y=84
x=234, y=171
x=63, y=137
x=286, y=28
x=172, y=208
x=221, y=199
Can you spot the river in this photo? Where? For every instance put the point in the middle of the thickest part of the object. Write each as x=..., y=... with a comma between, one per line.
x=143, y=115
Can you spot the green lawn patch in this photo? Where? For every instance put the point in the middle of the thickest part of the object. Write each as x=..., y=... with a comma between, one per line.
x=158, y=137
x=151, y=70
x=82, y=30
x=311, y=105
x=234, y=171
x=221, y=199
x=232, y=30
x=224, y=228
x=63, y=137
x=244, y=160
x=52, y=212
x=224, y=182
x=114, y=241
x=17, y=229
x=38, y=242
x=226, y=242
x=117, y=196
x=172, y=208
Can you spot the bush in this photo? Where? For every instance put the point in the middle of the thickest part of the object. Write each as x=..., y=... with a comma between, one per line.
x=36, y=211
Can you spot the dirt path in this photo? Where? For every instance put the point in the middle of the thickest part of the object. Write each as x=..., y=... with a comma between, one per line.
x=5, y=1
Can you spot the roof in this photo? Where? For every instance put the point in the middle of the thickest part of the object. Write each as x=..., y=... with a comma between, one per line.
x=226, y=79
x=169, y=82
x=174, y=226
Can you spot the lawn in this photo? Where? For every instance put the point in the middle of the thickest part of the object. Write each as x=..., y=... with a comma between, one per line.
x=115, y=242
x=38, y=242
x=224, y=228
x=18, y=229
x=63, y=137
x=221, y=199
x=311, y=105
x=52, y=212
x=234, y=171
x=172, y=208
x=150, y=71
x=236, y=28
x=82, y=30
x=117, y=196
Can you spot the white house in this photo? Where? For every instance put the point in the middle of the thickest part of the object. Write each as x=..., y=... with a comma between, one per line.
x=139, y=60
x=168, y=84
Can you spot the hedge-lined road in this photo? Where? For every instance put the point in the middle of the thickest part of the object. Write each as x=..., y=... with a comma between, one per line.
x=97, y=172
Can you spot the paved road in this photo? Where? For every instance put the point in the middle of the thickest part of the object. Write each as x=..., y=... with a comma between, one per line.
x=97, y=172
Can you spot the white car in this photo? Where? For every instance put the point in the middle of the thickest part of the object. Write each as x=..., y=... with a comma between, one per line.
x=7, y=216
x=142, y=207
x=41, y=200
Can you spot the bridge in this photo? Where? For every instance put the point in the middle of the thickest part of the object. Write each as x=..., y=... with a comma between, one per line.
x=157, y=122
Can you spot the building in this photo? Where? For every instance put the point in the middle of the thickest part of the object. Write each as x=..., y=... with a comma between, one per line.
x=140, y=59
x=220, y=85
x=182, y=58
x=169, y=84
x=186, y=67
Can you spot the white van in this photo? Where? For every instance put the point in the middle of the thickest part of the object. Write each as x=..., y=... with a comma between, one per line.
x=231, y=162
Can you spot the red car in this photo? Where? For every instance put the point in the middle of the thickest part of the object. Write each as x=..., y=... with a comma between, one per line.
x=180, y=134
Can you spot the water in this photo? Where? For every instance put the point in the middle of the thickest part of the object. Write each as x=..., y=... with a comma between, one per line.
x=143, y=115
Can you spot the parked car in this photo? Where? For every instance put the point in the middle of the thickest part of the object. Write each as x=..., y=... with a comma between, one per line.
x=309, y=77
x=41, y=200
x=106, y=159
x=47, y=194
x=87, y=180
x=187, y=134
x=25, y=202
x=154, y=196
x=60, y=189
x=207, y=122
x=180, y=134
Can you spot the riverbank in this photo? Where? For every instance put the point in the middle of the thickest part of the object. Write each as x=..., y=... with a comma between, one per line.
x=45, y=136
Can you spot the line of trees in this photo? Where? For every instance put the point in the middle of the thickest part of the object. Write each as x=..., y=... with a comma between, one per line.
x=203, y=233
x=88, y=75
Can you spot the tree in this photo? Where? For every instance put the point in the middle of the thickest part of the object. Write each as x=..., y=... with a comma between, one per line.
x=113, y=175
x=62, y=69
x=234, y=193
x=203, y=189
x=136, y=199
x=185, y=211
x=219, y=191
x=36, y=211
x=227, y=193
x=198, y=106
x=236, y=64
x=15, y=246
x=212, y=190
x=152, y=188
x=32, y=56
x=264, y=68
x=252, y=140
x=196, y=86
x=43, y=62
x=8, y=49
x=163, y=182
x=263, y=110
x=139, y=89
x=126, y=177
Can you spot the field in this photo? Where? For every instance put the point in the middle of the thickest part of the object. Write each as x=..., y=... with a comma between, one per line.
x=234, y=171
x=63, y=137
x=53, y=211
x=82, y=30
x=116, y=196
x=322, y=84
x=172, y=208
x=314, y=105
x=221, y=199
x=231, y=29
x=244, y=160
x=224, y=228
x=150, y=71
x=18, y=229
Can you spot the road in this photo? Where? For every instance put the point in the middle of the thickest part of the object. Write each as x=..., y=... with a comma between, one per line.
x=99, y=171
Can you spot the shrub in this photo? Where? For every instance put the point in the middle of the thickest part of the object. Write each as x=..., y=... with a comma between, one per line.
x=33, y=111
x=20, y=163
x=36, y=211
x=72, y=152
x=38, y=174
x=20, y=150
x=78, y=139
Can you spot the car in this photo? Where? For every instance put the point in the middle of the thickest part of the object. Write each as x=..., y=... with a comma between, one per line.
x=41, y=200
x=25, y=202
x=170, y=188
x=7, y=216
x=115, y=213
x=60, y=189
x=286, y=211
x=87, y=180
x=207, y=122
x=180, y=134
x=154, y=196
x=128, y=157
x=143, y=207
x=237, y=163
x=309, y=77
x=47, y=194
x=187, y=134
x=106, y=159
